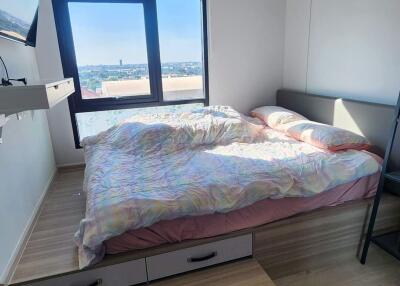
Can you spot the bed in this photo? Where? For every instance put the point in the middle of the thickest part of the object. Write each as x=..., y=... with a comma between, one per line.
x=315, y=232
x=260, y=213
x=167, y=178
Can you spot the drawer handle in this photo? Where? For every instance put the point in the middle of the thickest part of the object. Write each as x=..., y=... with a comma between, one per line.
x=203, y=258
x=56, y=87
x=96, y=283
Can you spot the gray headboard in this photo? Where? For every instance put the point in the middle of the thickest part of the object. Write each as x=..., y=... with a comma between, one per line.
x=371, y=120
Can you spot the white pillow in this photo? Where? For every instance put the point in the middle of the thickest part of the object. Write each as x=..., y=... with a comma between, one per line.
x=325, y=136
x=274, y=116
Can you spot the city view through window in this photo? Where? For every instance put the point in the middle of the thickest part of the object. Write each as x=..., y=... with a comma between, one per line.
x=112, y=57
x=16, y=17
x=181, y=80
x=111, y=51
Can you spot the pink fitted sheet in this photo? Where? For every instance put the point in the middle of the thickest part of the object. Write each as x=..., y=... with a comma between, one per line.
x=260, y=213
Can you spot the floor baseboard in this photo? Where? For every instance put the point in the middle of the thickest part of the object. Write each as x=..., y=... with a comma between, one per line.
x=19, y=248
x=73, y=167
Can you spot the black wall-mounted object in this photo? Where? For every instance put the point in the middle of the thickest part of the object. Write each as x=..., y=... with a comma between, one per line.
x=8, y=81
x=15, y=29
x=31, y=38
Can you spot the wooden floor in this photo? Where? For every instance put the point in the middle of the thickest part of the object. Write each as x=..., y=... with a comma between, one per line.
x=381, y=270
x=51, y=251
x=242, y=273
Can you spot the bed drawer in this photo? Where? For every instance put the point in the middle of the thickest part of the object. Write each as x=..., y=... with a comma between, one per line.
x=180, y=261
x=124, y=274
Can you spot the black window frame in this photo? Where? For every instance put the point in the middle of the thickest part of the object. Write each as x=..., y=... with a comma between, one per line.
x=68, y=59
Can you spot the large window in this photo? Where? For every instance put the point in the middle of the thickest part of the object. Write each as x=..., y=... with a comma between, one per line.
x=110, y=48
x=132, y=53
x=180, y=34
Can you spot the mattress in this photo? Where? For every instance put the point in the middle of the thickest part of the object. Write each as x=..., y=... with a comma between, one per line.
x=262, y=212
x=212, y=161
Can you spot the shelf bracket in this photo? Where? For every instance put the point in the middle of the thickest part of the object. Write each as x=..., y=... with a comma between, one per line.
x=3, y=121
x=20, y=114
x=4, y=118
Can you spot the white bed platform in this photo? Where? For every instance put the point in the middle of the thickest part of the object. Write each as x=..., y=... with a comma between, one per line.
x=318, y=238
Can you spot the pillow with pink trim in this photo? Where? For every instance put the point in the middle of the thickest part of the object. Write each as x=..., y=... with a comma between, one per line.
x=274, y=116
x=324, y=136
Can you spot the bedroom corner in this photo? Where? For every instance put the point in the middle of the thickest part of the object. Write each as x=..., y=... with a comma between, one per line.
x=27, y=163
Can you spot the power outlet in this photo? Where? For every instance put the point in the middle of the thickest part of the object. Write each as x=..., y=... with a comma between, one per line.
x=5, y=82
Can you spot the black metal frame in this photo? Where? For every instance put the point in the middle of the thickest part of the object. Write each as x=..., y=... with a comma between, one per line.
x=68, y=58
x=381, y=187
x=31, y=37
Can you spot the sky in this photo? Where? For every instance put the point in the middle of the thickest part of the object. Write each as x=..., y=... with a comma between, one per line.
x=22, y=9
x=104, y=33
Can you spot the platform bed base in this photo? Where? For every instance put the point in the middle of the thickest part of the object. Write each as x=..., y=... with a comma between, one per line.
x=310, y=241
x=304, y=242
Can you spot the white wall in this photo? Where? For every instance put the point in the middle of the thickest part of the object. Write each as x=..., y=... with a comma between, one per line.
x=353, y=48
x=50, y=68
x=296, y=44
x=246, y=51
x=246, y=41
x=26, y=160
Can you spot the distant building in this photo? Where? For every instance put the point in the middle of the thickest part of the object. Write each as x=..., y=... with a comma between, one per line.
x=174, y=88
x=86, y=93
x=120, y=63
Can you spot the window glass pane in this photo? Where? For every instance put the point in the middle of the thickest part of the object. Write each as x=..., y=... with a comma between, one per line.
x=180, y=32
x=91, y=123
x=110, y=48
x=16, y=17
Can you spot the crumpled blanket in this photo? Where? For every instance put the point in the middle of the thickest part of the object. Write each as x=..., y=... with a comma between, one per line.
x=161, y=167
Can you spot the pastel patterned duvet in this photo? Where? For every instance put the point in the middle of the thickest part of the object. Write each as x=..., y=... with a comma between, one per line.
x=213, y=160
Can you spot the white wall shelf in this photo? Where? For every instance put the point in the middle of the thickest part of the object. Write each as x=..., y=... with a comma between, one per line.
x=15, y=99
x=18, y=99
